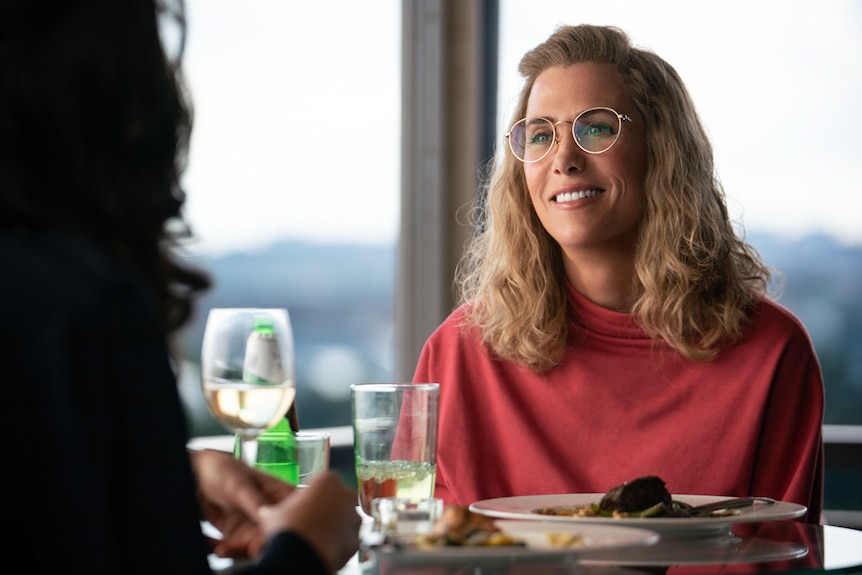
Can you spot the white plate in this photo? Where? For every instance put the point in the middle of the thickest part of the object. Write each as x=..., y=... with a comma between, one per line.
x=595, y=538
x=524, y=508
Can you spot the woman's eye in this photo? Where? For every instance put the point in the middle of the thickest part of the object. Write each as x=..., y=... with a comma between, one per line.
x=595, y=130
x=539, y=138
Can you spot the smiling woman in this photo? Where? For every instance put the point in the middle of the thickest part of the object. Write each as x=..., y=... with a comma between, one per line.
x=773, y=97
x=603, y=324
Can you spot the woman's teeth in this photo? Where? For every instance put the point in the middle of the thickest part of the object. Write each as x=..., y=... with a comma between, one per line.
x=574, y=196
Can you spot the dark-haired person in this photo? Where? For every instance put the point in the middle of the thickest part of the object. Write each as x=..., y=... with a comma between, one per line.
x=94, y=125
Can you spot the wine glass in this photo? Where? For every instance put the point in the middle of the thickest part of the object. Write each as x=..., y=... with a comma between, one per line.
x=247, y=371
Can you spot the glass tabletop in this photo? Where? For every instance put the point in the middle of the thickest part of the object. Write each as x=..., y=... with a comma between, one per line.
x=785, y=547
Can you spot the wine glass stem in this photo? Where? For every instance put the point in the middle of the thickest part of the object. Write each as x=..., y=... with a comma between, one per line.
x=247, y=449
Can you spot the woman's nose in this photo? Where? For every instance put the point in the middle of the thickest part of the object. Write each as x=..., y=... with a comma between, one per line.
x=568, y=155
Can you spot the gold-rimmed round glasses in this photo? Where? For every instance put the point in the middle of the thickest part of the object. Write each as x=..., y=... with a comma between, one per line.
x=595, y=131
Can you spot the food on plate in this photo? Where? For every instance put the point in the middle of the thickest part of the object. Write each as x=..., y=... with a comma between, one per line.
x=458, y=526
x=636, y=495
x=645, y=496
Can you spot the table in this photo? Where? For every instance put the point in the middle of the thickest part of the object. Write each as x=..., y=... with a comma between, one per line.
x=785, y=547
x=778, y=547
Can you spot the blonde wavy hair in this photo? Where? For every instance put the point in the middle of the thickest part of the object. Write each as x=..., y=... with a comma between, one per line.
x=696, y=278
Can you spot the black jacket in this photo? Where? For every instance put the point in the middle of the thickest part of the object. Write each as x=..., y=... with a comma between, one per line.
x=99, y=480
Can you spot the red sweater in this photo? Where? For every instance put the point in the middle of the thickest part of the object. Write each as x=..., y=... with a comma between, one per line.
x=621, y=406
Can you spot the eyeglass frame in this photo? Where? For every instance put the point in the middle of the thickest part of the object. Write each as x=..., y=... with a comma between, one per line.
x=620, y=118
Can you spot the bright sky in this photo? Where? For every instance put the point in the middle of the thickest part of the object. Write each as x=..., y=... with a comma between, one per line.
x=297, y=108
x=297, y=121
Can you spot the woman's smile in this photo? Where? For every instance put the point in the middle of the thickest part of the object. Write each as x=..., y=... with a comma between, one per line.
x=574, y=196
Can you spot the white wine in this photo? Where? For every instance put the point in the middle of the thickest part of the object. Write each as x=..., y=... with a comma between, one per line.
x=410, y=479
x=248, y=407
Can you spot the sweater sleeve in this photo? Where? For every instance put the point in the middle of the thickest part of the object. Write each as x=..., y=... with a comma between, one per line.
x=790, y=458
x=425, y=373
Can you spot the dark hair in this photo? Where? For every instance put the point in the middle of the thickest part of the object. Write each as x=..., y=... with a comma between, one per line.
x=94, y=131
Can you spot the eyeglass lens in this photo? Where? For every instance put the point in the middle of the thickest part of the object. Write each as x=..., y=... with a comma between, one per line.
x=595, y=131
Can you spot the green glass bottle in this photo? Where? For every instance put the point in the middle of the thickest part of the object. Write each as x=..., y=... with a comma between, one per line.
x=276, y=452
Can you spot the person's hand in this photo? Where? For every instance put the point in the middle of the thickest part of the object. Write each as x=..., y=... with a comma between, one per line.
x=230, y=494
x=324, y=514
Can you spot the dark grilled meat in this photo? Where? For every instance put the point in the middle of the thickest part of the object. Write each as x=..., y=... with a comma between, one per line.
x=636, y=495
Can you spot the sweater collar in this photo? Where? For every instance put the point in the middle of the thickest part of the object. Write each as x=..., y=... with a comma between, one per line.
x=596, y=318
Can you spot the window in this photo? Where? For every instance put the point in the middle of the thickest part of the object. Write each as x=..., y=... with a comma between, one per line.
x=293, y=184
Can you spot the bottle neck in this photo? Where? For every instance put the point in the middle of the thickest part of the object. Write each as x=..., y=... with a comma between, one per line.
x=291, y=417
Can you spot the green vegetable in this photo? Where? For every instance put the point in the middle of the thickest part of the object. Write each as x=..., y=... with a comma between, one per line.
x=657, y=509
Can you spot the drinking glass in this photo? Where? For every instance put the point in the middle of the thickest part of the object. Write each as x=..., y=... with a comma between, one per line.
x=247, y=371
x=312, y=454
x=294, y=457
x=400, y=520
x=395, y=440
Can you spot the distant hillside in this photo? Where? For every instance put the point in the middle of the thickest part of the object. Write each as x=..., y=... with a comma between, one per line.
x=322, y=286
x=817, y=261
x=306, y=274
x=823, y=287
